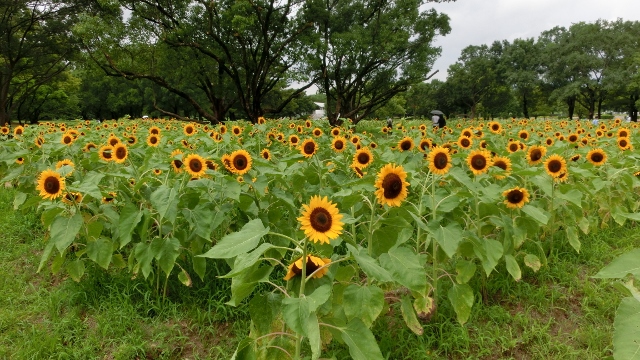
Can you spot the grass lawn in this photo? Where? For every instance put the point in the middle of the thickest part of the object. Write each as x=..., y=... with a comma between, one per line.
x=557, y=313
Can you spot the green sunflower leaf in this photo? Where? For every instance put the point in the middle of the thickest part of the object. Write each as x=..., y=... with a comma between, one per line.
x=239, y=242
x=64, y=230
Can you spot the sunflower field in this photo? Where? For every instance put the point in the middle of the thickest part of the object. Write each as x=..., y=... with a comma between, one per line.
x=321, y=229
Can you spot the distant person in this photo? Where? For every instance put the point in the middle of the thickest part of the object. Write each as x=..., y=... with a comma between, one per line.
x=441, y=121
x=595, y=120
x=435, y=119
x=389, y=123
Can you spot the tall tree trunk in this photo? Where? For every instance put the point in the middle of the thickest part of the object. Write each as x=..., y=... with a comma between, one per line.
x=571, y=103
x=525, y=109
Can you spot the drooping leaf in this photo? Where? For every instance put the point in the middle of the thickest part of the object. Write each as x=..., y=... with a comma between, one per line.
x=572, y=236
x=533, y=262
x=76, y=269
x=620, y=267
x=100, y=251
x=409, y=316
x=536, y=213
x=239, y=242
x=362, y=344
x=461, y=297
x=363, y=302
x=369, y=265
x=130, y=216
x=626, y=333
x=405, y=267
x=512, y=267
x=165, y=201
x=448, y=237
x=64, y=230
x=465, y=270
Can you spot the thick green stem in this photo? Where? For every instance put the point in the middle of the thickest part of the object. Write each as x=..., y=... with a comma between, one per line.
x=303, y=280
x=370, y=231
x=435, y=249
x=553, y=218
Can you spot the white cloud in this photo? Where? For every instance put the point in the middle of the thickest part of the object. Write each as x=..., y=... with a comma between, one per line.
x=477, y=22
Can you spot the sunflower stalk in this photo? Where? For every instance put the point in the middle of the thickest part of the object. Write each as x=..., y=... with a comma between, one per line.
x=303, y=280
x=435, y=250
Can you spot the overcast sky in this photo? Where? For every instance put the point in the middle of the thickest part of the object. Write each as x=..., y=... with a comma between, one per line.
x=477, y=22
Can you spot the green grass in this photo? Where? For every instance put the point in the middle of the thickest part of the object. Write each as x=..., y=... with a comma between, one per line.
x=559, y=312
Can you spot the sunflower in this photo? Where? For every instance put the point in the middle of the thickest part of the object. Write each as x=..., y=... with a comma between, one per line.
x=195, y=165
x=555, y=165
x=66, y=139
x=120, y=153
x=495, y=127
x=549, y=141
x=516, y=198
x=425, y=145
x=50, y=184
x=153, y=140
x=132, y=140
x=4, y=130
x=320, y=220
x=597, y=157
x=308, y=148
x=535, y=154
x=211, y=165
x=113, y=140
x=109, y=198
x=357, y=170
x=363, y=157
x=240, y=161
x=575, y=157
x=513, y=146
x=479, y=161
x=391, y=187
x=317, y=132
x=154, y=130
x=313, y=263
x=19, y=130
x=39, y=141
x=335, y=131
x=72, y=197
x=623, y=132
x=405, y=144
x=439, y=160
x=66, y=162
x=236, y=130
x=294, y=140
x=106, y=153
x=157, y=171
x=468, y=132
x=189, y=130
x=464, y=142
x=261, y=120
x=20, y=161
x=338, y=144
x=624, y=144
x=523, y=134
x=503, y=163
x=266, y=154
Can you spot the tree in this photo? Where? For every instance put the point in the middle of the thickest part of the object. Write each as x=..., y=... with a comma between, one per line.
x=473, y=78
x=35, y=47
x=366, y=52
x=521, y=67
x=250, y=47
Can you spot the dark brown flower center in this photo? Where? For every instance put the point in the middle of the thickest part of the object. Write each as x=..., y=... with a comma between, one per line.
x=320, y=219
x=524, y=135
x=623, y=143
x=131, y=140
x=210, y=165
x=392, y=186
x=573, y=138
x=501, y=164
x=597, y=157
x=339, y=145
x=363, y=158
x=309, y=148
x=51, y=185
x=535, y=154
x=240, y=162
x=405, y=145
x=554, y=166
x=67, y=140
x=121, y=153
x=106, y=154
x=195, y=165
x=478, y=162
x=440, y=161
x=465, y=142
x=153, y=140
x=311, y=267
x=189, y=130
x=513, y=147
x=495, y=127
x=113, y=141
x=515, y=196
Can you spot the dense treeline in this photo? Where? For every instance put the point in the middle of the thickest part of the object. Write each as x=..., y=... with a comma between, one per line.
x=222, y=60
